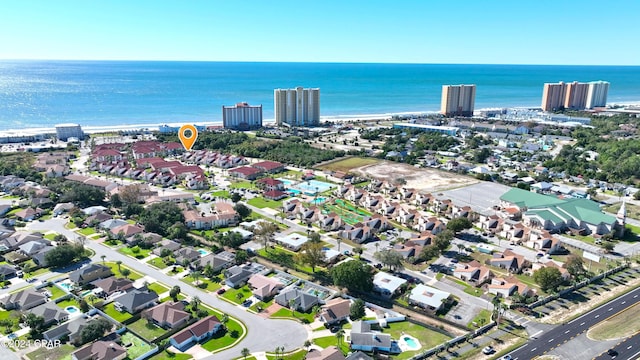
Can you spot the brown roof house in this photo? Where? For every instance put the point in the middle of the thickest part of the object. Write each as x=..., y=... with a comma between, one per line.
x=101, y=350
x=168, y=315
x=197, y=332
x=335, y=311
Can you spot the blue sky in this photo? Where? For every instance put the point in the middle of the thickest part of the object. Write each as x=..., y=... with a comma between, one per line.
x=570, y=32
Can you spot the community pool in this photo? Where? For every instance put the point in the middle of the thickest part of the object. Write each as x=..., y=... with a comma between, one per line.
x=311, y=187
x=287, y=182
x=294, y=192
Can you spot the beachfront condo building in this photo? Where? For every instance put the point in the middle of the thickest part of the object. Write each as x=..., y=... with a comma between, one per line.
x=242, y=116
x=574, y=95
x=597, y=94
x=66, y=131
x=458, y=100
x=297, y=107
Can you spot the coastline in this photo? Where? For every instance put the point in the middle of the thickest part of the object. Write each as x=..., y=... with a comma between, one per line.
x=153, y=126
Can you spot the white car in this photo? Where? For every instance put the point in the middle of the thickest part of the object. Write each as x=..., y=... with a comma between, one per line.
x=488, y=350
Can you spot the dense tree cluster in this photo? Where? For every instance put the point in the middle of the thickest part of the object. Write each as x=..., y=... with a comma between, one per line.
x=549, y=278
x=162, y=218
x=353, y=275
x=95, y=329
x=19, y=164
x=63, y=255
x=79, y=194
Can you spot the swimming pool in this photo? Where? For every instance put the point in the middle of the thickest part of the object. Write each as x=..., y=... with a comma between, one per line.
x=287, y=182
x=66, y=285
x=71, y=309
x=310, y=187
x=294, y=192
x=203, y=252
x=318, y=201
x=410, y=343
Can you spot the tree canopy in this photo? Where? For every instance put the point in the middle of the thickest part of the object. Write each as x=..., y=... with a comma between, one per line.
x=95, y=329
x=458, y=224
x=353, y=275
x=160, y=217
x=357, y=310
x=391, y=259
x=63, y=255
x=312, y=254
x=549, y=278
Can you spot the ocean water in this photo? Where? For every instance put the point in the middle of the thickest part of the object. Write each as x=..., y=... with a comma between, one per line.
x=35, y=94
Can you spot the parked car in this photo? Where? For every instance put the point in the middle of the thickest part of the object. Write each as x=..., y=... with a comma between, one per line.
x=488, y=350
x=247, y=303
x=221, y=291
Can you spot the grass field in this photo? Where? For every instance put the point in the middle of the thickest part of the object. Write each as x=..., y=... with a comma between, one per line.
x=298, y=355
x=232, y=294
x=114, y=268
x=633, y=211
x=243, y=185
x=87, y=231
x=351, y=163
x=261, y=203
x=621, y=325
x=427, y=337
x=115, y=314
x=137, y=347
x=327, y=341
x=55, y=292
x=149, y=332
x=233, y=333
x=157, y=262
x=158, y=288
x=69, y=302
x=167, y=355
x=141, y=254
x=285, y=313
x=56, y=352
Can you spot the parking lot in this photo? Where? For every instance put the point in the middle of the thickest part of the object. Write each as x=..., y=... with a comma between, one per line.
x=574, y=300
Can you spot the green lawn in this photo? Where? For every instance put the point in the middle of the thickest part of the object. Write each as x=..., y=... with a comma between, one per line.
x=157, y=262
x=114, y=268
x=141, y=254
x=148, y=331
x=261, y=203
x=243, y=185
x=57, y=352
x=286, y=313
x=68, y=302
x=299, y=355
x=221, y=194
x=428, y=338
x=115, y=314
x=210, y=285
x=263, y=305
x=168, y=355
x=50, y=237
x=158, y=288
x=232, y=294
x=326, y=341
x=87, y=231
x=483, y=314
x=13, y=315
x=55, y=291
x=137, y=347
x=223, y=340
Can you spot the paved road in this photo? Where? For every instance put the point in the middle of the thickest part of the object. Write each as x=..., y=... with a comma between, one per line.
x=263, y=334
x=628, y=349
x=544, y=342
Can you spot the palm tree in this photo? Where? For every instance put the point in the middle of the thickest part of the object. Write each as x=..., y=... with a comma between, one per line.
x=292, y=306
x=125, y=272
x=245, y=352
x=119, y=262
x=340, y=336
x=460, y=247
x=196, y=276
x=92, y=298
x=103, y=257
x=195, y=302
x=307, y=345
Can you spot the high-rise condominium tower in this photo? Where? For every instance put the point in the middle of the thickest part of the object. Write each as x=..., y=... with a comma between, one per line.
x=458, y=100
x=297, y=107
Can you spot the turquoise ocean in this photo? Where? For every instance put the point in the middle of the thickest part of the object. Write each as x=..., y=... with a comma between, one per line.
x=40, y=94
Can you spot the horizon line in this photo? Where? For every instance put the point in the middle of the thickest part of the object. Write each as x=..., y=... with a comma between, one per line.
x=305, y=62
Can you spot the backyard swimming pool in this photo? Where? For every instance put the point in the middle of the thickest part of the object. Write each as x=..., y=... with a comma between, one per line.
x=409, y=343
x=71, y=309
x=318, y=201
x=203, y=252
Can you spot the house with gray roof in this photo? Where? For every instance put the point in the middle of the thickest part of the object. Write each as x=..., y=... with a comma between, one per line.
x=166, y=244
x=111, y=285
x=70, y=328
x=197, y=332
x=302, y=301
x=238, y=275
x=33, y=247
x=7, y=272
x=187, y=254
x=101, y=350
x=90, y=273
x=40, y=257
x=219, y=261
x=136, y=300
x=13, y=241
x=358, y=355
x=112, y=224
x=363, y=338
x=23, y=300
x=51, y=313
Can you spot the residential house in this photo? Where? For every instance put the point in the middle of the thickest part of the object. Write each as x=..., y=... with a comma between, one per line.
x=428, y=298
x=329, y=353
x=223, y=215
x=269, y=166
x=386, y=284
x=146, y=238
x=268, y=184
x=15, y=240
x=100, y=350
x=23, y=300
x=219, y=261
x=292, y=241
x=186, y=255
x=112, y=224
x=238, y=275
x=168, y=315
x=506, y=287
x=330, y=222
x=127, y=230
x=508, y=260
x=112, y=285
x=51, y=313
x=274, y=195
x=357, y=233
x=7, y=272
x=245, y=172
x=263, y=288
x=197, y=332
x=473, y=272
x=363, y=338
x=90, y=273
x=33, y=247
x=61, y=208
x=551, y=263
x=301, y=301
x=28, y=214
x=431, y=224
x=335, y=311
x=136, y=300
x=166, y=244
x=71, y=329
x=358, y=355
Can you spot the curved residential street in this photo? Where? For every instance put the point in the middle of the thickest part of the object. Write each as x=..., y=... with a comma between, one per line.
x=262, y=334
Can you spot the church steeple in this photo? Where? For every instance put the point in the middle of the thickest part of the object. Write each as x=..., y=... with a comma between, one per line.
x=621, y=216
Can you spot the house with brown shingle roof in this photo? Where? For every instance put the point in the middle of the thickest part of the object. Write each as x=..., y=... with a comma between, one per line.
x=505, y=287
x=196, y=332
x=473, y=272
x=101, y=350
x=508, y=260
x=168, y=315
x=335, y=311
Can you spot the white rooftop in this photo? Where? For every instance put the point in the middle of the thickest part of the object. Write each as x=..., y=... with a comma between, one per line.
x=383, y=280
x=293, y=240
x=428, y=295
